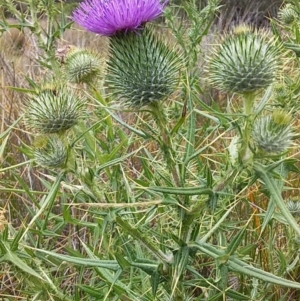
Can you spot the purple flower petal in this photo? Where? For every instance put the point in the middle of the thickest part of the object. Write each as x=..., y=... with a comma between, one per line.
x=106, y=17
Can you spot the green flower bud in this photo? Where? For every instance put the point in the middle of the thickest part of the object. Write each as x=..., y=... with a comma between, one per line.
x=281, y=92
x=273, y=134
x=287, y=14
x=293, y=207
x=244, y=62
x=50, y=152
x=141, y=68
x=53, y=110
x=82, y=66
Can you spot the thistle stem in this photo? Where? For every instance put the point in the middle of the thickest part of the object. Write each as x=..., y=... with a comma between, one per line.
x=248, y=101
x=165, y=139
x=161, y=120
x=245, y=152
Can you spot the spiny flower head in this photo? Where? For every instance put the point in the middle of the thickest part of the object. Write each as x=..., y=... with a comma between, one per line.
x=107, y=17
x=273, y=134
x=50, y=151
x=141, y=69
x=293, y=206
x=82, y=66
x=53, y=110
x=245, y=61
x=281, y=92
x=288, y=14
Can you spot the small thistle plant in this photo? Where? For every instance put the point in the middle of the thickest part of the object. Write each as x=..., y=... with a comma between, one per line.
x=245, y=63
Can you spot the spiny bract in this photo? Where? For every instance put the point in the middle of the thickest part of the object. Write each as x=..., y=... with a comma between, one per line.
x=141, y=68
x=244, y=62
x=273, y=134
x=82, y=66
x=287, y=14
x=52, y=154
x=53, y=110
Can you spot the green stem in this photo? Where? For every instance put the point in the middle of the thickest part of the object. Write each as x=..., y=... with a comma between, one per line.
x=108, y=117
x=161, y=120
x=245, y=152
x=248, y=101
x=157, y=111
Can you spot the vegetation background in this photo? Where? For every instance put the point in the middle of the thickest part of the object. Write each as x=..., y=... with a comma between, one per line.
x=116, y=224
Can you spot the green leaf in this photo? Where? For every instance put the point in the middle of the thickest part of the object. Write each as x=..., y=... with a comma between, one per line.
x=189, y=149
x=145, y=265
x=96, y=293
x=244, y=268
x=7, y=131
x=49, y=200
x=264, y=100
x=142, y=238
x=236, y=295
x=154, y=281
x=293, y=47
x=239, y=266
x=268, y=215
x=15, y=243
x=15, y=260
x=107, y=264
x=112, y=279
x=2, y=146
x=236, y=241
x=181, y=258
x=23, y=90
x=182, y=190
x=116, y=161
x=276, y=195
x=122, y=261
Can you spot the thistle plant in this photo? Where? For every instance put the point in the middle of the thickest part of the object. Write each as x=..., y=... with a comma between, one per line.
x=83, y=66
x=245, y=62
x=138, y=207
x=53, y=110
x=142, y=72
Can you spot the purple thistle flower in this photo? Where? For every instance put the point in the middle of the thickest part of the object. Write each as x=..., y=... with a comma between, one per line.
x=107, y=17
